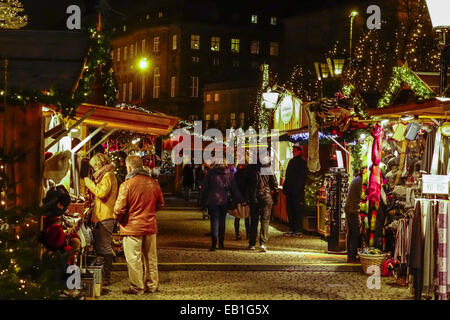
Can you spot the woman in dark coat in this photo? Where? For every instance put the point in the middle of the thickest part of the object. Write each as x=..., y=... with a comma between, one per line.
x=219, y=186
x=241, y=177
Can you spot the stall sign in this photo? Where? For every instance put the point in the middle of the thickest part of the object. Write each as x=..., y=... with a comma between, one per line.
x=286, y=109
x=435, y=184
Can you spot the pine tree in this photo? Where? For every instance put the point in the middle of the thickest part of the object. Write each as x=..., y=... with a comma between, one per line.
x=11, y=15
x=98, y=72
x=24, y=273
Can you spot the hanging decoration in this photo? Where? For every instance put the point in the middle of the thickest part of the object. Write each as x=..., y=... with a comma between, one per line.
x=360, y=105
x=11, y=15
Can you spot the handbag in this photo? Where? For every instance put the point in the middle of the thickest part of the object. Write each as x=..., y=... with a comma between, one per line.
x=240, y=212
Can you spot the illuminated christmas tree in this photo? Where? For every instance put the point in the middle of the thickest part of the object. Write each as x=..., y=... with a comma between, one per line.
x=11, y=15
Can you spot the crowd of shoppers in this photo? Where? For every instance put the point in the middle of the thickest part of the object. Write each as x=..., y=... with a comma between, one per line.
x=222, y=189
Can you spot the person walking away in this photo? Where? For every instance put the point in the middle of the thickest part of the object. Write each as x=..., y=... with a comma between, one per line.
x=104, y=187
x=241, y=177
x=266, y=196
x=139, y=199
x=294, y=189
x=187, y=180
x=219, y=190
x=352, y=209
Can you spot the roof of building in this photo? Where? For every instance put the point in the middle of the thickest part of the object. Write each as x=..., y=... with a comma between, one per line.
x=42, y=59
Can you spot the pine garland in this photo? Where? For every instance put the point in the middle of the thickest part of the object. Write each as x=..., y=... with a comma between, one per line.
x=404, y=75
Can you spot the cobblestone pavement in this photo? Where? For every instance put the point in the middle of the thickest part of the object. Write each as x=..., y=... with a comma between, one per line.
x=219, y=285
x=181, y=239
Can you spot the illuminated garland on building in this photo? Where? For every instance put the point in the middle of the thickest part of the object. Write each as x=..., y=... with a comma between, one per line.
x=11, y=15
x=404, y=75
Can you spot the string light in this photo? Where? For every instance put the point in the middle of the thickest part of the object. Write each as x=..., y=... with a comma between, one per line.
x=11, y=15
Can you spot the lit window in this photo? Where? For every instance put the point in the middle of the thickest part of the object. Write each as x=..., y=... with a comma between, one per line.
x=174, y=42
x=216, y=61
x=216, y=97
x=273, y=21
x=125, y=53
x=130, y=91
x=241, y=119
x=118, y=55
x=195, y=59
x=160, y=14
x=208, y=97
x=274, y=48
x=235, y=45
x=194, y=87
x=156, y=83
x=235, y=63
x=207, y=117
x=131, y=51
x=124, y=92
x=195, y=41
x=216, y=116
x=254, y=18
x=173, y=81
x=124, y=28
x=156, y=44
x=254, y=47
x=233, y=116
x=215, y=43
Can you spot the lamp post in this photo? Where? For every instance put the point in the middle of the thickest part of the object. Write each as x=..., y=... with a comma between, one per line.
x=440, y=19
x=352, y=17
x=143, y=66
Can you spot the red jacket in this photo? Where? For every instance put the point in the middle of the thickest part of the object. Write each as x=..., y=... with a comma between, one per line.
x=138, y=200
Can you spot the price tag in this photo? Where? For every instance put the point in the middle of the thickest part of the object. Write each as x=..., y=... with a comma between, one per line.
x=435, y=184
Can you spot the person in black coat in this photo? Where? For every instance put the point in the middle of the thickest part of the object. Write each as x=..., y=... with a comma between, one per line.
x=187, y=180
x=262, y=193
x=294, y=190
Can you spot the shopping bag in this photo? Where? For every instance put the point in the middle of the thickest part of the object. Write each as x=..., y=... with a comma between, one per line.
x=240, y=212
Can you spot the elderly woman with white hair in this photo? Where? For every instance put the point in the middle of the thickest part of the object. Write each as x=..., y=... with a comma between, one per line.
x=105, y=189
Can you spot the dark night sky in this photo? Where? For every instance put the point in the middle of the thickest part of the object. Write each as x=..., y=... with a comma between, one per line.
x=51, y=14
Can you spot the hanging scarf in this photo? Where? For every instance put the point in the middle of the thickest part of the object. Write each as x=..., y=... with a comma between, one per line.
x=98, y=175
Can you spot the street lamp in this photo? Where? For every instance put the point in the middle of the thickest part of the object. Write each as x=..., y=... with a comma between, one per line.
x=352, y=16
x=440, y=19
x=336, y=66
x=143, y=65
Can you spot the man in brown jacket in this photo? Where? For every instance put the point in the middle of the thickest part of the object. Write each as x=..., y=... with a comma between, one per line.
x=139, y=198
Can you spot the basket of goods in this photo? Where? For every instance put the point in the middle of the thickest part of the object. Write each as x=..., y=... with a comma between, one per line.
x=371, y=257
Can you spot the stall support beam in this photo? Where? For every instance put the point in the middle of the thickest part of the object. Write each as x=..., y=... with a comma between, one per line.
x=64, y=133
x=88, y=138
x=101, y=141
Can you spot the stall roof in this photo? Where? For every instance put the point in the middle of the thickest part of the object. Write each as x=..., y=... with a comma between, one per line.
x=130, y=120
x=42, y=59
x=428, y=109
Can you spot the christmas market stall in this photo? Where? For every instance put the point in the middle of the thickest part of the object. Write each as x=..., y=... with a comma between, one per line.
x=404, y=160
x=118, y=132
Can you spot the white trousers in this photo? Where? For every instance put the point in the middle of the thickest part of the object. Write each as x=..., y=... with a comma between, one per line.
x=142, y=260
